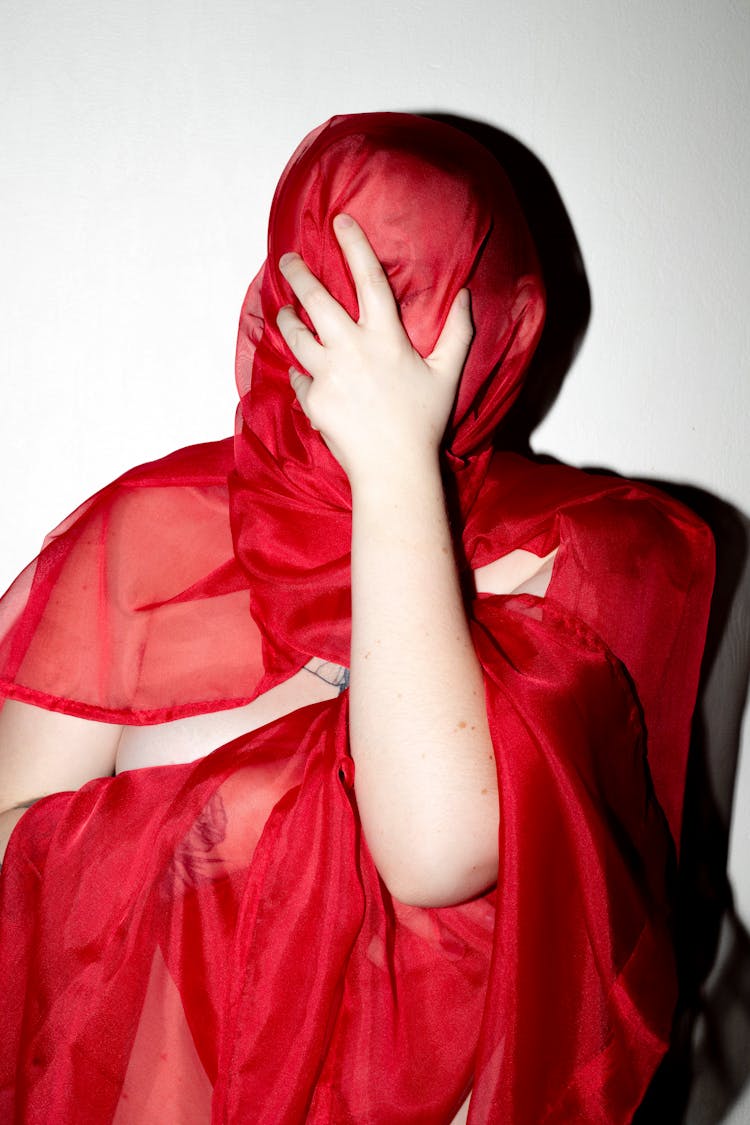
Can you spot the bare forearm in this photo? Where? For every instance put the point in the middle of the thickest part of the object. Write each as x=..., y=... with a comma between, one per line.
x=425, y=773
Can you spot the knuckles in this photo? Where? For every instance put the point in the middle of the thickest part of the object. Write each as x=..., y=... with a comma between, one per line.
x=375, y=276
x=313, y=297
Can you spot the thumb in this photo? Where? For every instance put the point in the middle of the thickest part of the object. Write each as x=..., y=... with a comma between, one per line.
x=449, y=354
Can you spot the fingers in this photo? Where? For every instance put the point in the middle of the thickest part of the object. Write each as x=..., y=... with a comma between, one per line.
x=374, y=296
x=301, y=385
x=326, y=314
x=299, y=339
x=449, y=354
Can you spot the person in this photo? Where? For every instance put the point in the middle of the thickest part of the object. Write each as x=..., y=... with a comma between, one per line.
x=354, y=748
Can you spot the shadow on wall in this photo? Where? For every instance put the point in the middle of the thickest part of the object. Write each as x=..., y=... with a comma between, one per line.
x=709, y=1063
x=568, y=295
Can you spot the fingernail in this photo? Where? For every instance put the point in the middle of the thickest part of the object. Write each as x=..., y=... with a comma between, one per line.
x=343, y=221
x=463, y=298
x=285, y=259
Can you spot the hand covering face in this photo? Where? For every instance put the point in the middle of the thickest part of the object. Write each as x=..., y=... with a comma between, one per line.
x=440, y=214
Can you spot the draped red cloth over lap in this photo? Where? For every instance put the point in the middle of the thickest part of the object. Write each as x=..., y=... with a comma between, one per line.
x=212, y=941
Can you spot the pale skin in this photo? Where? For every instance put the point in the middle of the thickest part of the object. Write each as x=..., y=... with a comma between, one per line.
x=419, y=734
x=425, y=774
x=68, y=751
x=43, y=752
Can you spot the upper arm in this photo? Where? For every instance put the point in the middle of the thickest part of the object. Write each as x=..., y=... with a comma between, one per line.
x=43, y=752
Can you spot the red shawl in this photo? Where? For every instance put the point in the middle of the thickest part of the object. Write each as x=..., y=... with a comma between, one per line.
x=215, y=934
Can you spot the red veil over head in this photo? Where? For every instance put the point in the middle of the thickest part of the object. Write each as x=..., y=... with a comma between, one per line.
x=440, y=213
x=214, y=938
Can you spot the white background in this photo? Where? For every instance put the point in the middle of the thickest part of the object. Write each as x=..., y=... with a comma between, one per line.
x=139, y=146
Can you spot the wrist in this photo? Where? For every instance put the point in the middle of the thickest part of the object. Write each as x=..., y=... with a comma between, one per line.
x=395, y=480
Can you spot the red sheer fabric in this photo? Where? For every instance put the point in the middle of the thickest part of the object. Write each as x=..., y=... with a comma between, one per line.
x=440, y=213
x=212, y=941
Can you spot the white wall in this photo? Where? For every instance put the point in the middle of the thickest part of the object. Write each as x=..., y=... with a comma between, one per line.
x=141, y=143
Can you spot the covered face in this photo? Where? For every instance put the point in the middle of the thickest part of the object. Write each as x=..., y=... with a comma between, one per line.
x=439, y=213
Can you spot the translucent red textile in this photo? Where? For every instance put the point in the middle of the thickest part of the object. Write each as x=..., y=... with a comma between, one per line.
x=212, y=941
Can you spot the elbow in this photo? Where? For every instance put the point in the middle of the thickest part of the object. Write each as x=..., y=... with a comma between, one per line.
x=440, y=879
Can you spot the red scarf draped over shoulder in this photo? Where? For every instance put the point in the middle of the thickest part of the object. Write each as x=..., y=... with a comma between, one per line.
x=236, y=893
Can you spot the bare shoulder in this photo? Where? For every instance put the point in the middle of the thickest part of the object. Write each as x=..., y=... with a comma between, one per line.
x=519, y=572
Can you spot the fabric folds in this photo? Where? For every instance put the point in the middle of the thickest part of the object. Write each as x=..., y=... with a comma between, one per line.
x=330, y=1001
x=212, y=941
